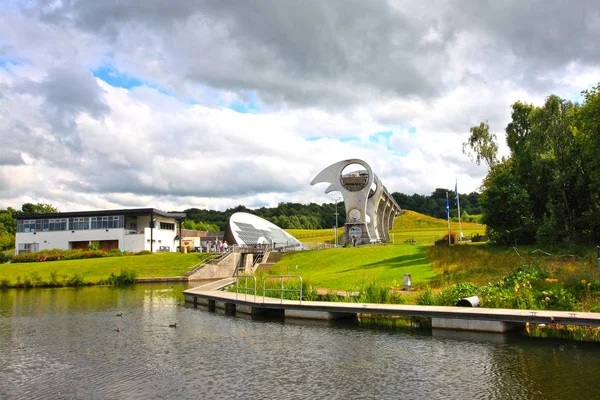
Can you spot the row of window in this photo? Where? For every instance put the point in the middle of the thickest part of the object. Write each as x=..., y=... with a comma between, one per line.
x=64, y=224
x=82, y=223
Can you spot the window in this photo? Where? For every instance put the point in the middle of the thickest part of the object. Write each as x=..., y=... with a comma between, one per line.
x=110, y=222
x=131, y=223
x=167, y=226
x=79, y=223
x=57, y=224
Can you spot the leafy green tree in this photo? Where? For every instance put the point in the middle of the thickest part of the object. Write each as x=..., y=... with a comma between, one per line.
x=506, y=207
x=482, y=145
x=40, y=208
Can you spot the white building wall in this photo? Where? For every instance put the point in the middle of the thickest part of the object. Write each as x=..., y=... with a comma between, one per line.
x=61, y=239
x=129, y=239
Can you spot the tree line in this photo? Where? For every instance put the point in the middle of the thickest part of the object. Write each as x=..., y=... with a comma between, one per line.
x=284, y=215
x=547, y=190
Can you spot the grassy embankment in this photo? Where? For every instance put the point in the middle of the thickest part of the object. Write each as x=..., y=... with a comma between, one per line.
x=95, y=270
x=409, y=226
x=348, y=268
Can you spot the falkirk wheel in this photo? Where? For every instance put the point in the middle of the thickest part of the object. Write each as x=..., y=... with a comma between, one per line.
x=370, y=209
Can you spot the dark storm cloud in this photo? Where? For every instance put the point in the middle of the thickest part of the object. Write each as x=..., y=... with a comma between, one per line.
x=543, y=36
x=338, y=52
x=308, y=52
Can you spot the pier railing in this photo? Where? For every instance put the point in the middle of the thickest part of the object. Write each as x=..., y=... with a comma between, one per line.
x=281, y=289
x=245, y=288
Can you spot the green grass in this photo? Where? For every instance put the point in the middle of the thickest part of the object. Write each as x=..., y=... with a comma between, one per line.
x=315, y=235
x=426, y=229
x=97, y=269
x=410, y=225
x=345, y=268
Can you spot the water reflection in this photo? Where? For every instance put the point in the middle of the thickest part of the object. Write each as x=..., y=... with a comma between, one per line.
x=63, y=343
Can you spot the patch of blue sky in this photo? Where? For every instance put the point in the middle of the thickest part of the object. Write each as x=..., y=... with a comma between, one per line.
x=114, y=78
x=381, y=137
x=344, y=139
x=8, y=62
x=578, y=97
x=244, y=107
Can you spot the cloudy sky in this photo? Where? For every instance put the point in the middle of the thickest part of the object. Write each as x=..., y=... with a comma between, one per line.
x=211, y=104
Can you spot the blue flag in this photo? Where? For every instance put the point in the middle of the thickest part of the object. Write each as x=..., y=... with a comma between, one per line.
x=456, y=193
x=447, y=207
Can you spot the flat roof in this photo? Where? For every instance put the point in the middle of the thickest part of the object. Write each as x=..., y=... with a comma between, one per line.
x=103, y=213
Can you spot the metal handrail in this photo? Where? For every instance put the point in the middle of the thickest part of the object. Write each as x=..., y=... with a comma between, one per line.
x=281, y=278
x=237, y=287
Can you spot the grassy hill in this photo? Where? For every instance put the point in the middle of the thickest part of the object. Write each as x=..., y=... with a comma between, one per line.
x=425, y=229
x=409, y=226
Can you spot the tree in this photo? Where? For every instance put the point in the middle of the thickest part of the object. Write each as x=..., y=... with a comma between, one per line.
x=506, y=207
x=40, y=208
x=482, y=145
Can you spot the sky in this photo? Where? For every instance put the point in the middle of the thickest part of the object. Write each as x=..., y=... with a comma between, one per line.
x=212, y=104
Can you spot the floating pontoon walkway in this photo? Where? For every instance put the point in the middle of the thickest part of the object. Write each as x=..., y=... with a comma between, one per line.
x=461, y=318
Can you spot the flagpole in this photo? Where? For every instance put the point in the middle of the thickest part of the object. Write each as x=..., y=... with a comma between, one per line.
x=458, y=204
x=448, y=217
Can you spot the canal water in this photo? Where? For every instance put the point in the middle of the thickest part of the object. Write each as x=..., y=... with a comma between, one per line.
x=64, y=343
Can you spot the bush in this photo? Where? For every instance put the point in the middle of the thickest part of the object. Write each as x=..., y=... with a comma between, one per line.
x=4, y=258
x=451, y=295
x=57, y=254
x=54, y=280
x=558, y=299
x=444, y=241
x=4, y=283
x=76, y=280
x=426, y=297
x=125, y=277
x=478, y=238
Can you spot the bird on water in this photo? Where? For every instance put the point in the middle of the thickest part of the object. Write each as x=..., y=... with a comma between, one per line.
x=173, y=325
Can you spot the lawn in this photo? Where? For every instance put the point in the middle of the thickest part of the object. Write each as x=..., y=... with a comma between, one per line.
x=96, y=269
x=410, y=226
x=425, y=229
x=345, y=268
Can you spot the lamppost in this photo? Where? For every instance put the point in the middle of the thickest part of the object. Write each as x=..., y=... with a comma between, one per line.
x=336, y=199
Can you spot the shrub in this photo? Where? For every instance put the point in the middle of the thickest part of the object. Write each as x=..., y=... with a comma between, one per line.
x=142, y=253
x=95, y=245
x=76, y=280
x=526, y=273
x=444, y=241
x=125, y=277
x=558, y=299
x=451, y=295
x=4, y=283
x=54, y=280
x=478, y=238
x=426, y=297
x=4, y=258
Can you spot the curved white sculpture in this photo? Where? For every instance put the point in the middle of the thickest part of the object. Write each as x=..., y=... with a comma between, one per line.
x=370, y=209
